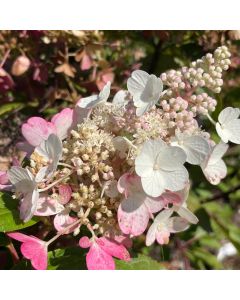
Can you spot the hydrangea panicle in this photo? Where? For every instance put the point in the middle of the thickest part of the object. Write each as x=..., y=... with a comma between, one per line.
x=111, y=165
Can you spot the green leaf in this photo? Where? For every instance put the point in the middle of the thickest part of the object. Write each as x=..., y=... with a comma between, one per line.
x=234, y=234
x=74, y=258
x=24, y=264
x=207, y=258
x=141, y=262
x=6, y=108
x=210, y=241
x=67, y=259
x=218, y=209
x=9, y=214
x=204, y=220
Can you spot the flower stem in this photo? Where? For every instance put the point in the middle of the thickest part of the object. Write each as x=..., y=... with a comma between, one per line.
x=129, y=142
x=68, y=227
x=65, y=165
x=211, y=120
x=13, y=252
x=62, y=232
x=91, y=230
x=5, y=58
x=54, y=183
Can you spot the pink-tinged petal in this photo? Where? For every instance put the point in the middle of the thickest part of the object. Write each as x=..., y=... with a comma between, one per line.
x=133, y=216
x=6, y=187
x=171, y=198
x=86, y=62
x=154, y=204
x=16, y=162
x=128, y=183
x=48, y=206
x=134, y=211
x=36, y=130
x=25, y=147
x=63, y=122
x=63, y=220
x=85, y=242
x=124, y=240
x=151, y=234
x=123, y=184
x=108, y=77
x=21, y=237
x=33, y=249
x=103, y=79
x=183, y=194
x=36, y=251
x=98, y=259
x=4, y=178
x=113, y=249
x=162, y=237
x=65, y=193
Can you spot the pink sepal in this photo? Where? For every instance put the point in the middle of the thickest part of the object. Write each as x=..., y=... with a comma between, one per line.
x=63, y=220
x=63, y=122
x=101, y=251
x=36, y=130
x=32, y=248
x=65, y=193
x=85, y=242
x=113, y=248
x=98, y=259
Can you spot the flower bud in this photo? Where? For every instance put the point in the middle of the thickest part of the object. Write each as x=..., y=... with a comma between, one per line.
x=20, y=65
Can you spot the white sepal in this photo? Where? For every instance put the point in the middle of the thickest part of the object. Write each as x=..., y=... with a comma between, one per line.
x=51, y=151
x=160, y=167
x=195, y=147
x=92, y=101
x=146, y=90
x=228, y=126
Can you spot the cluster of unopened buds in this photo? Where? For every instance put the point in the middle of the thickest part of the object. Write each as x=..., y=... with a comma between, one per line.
x=115, y=166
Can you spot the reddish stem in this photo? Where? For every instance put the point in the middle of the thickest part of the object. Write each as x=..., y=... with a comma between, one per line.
x=5, y=58
x=13, y=252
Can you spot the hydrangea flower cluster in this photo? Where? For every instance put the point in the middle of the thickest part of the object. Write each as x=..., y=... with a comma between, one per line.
x=202, y=73
x=118, y=168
